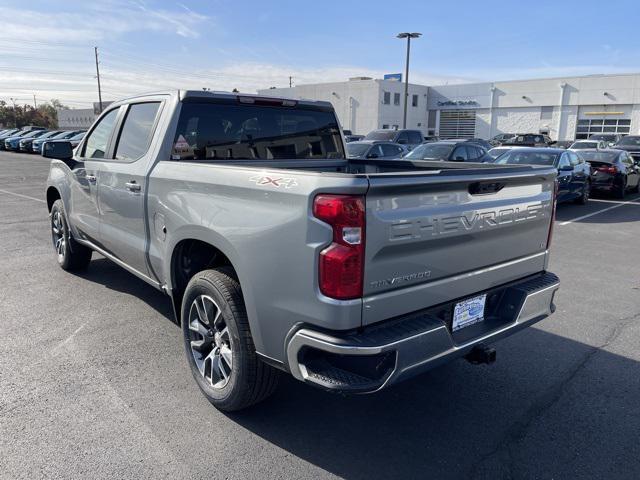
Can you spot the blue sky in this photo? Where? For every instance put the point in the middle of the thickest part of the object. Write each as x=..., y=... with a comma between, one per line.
x=46, y=47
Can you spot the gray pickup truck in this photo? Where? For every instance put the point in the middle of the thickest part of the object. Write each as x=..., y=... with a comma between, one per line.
x=280, y=254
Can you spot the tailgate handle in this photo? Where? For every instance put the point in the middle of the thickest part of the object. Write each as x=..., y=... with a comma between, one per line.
x=485, y=188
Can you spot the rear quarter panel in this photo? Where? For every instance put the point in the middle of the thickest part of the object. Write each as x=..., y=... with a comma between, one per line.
x=266, y=230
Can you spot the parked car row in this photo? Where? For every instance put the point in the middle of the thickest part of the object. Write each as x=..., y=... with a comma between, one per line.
x=30, y=139
x=581, y=171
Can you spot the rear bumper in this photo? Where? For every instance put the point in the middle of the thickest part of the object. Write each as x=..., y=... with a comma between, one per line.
x=386, y=353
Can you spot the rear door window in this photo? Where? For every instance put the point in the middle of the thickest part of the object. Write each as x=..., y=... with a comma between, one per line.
x=137, y=131
x=231, y=130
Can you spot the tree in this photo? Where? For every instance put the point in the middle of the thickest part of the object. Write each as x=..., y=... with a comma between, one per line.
x=45, y=115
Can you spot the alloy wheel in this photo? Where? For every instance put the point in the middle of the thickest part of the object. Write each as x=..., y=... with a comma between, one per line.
x=57, y=234
x=211, y=344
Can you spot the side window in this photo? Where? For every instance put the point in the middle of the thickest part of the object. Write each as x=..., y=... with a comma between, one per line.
x=414, y=101
x=626, y=158
x=374, y=152
x=96, y=145
x=460, y=154
x=415, y=138
x=396, y=99
x=403, y=138
x=137, y=131
x=564, y=160
x=387, y=98
x=390, y=150
x=574, y=159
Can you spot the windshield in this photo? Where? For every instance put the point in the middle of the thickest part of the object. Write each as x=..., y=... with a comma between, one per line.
x=631, y=141
x=357, y=149
x=583, y=145
x=599, y=156
x=35, y=133
x=526, y=157
x=381, y=135
x=431, y=151
x=232, y=131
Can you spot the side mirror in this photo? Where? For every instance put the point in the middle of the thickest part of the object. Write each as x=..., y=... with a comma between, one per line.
x=566, y=168
x=372, y=155
x=59, y=150
x=459, y=159
x=402, y=141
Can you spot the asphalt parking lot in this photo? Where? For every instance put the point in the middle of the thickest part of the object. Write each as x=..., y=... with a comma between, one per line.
x=94, y=383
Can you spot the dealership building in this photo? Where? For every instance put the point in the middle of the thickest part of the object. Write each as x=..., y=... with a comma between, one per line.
x=566, y=108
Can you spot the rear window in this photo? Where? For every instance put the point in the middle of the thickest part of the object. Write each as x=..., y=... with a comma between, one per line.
x=431, y=151
x=527, y=157
x=599, y=156
x=387, y=135
x=232, y=131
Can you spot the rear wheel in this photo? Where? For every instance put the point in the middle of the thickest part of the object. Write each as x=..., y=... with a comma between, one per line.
x=586, y=192
x=70, y=254
x=218, y=343
x=621, y=190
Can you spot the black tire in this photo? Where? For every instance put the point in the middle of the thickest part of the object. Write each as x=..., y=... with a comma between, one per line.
x=584, y=196
x=636, y=189
x=247, y=380
x=622, y=190
x=70, y=254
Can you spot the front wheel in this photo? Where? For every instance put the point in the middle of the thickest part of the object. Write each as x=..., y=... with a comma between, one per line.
x=218, y=342
x=70, y=254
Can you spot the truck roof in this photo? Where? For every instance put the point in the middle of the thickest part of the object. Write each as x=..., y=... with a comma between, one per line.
x=184, y=94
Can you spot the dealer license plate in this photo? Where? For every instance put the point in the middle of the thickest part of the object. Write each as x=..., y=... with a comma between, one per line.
x=468, y=312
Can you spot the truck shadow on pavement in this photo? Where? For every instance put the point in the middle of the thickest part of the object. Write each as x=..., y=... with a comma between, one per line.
x=104, y=272
x=568, y=415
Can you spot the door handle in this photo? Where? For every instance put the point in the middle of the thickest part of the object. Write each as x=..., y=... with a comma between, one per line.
x=133, y=186
x=91, y=178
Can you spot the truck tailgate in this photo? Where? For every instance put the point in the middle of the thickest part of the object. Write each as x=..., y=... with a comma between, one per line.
x=435, y=237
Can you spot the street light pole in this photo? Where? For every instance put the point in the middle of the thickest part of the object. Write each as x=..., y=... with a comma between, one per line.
x=408, y=36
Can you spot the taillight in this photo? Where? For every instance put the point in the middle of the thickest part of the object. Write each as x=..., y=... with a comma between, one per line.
x=612, y=170
x=341, y=264
x=554, y=204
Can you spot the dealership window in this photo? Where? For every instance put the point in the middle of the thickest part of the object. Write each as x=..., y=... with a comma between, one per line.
x=589, y=126
x=385, y=126
x=396, y=99
x=387, y=98
x=457, y=124
x=414, y=101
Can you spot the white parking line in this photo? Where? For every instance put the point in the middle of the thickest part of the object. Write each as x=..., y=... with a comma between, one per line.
x=22, y=196
x=577, y=219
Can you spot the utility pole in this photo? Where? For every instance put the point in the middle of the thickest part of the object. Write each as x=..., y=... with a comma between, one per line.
x=290, y=81
x=408, y=36
x=95, y=49
x=35, y=104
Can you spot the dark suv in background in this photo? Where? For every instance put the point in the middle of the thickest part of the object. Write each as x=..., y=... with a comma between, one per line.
x=449, y=150
x=631, y=144
x=409, y=138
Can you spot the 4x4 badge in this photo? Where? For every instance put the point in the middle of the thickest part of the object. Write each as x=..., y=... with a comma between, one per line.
x=274, y=181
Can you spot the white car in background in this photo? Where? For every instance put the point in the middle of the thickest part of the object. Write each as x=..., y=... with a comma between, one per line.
x=495, y=152
x=589, y=144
